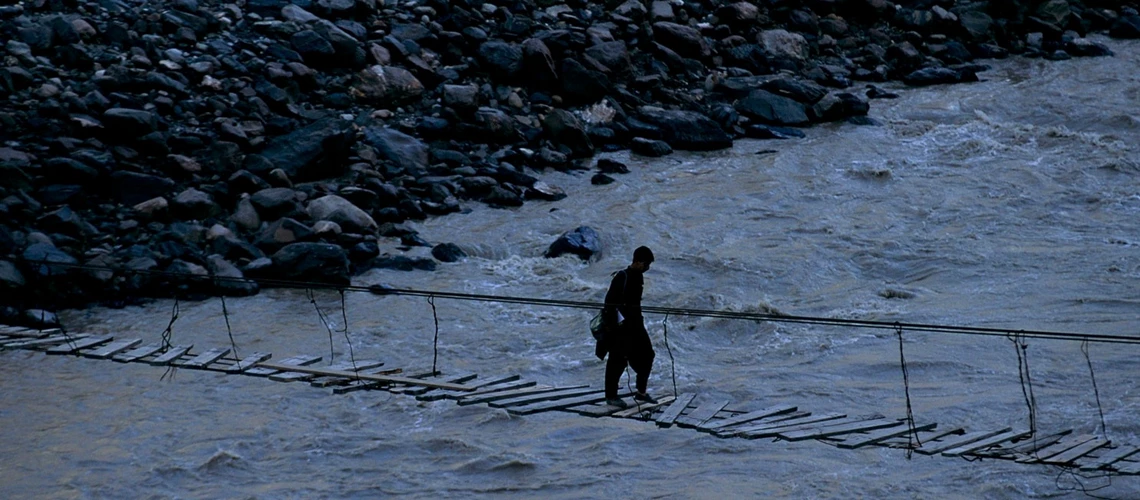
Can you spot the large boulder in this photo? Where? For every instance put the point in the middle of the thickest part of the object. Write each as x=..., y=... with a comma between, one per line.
x=333, y=208
x=12, y=280
x=562, y=127
x=45, y=260
x=314, y=152
x=784, y=44
x=581, y=85
x=133, y=188
x=448, y=252
x=228, y=279
x=275, y=203
x=687, y=130
x=684, y=40
x=130, y=122
x=501, y=59
x=386, y=84
x=408, y=153
x=773, y=109
x=1126, y=26
x=311, y=262
x=582, y=241
x=936, y=76
x=538, y=64
x=193, y=204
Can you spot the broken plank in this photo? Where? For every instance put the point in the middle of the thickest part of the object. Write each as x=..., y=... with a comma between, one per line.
x=112, y=349
x=1127, y=467
x=561, y=404
x=488, y=396
x=1110, y=457
x=292, y=376
x=666, y=418
x=883, y=435
x=353, y=384
x=170, y=355
x=836, y=430
x=70, y=347
x=928, y=436
x=1028, y=445
x=1061, y=447
x=29, y=333
x=747, y=417
x=361, y=366
x=138, y=353
x=563, y=392
x=980, y=444
x=505, y=382
x=299, y=360
x=365, y=376
x=595, y=409
x=458, y=378
x=203, y=359
x=770, y=429
x=52, y=340
x=638, y=410
x=248, y=362
x=702, y=414
x=934, y=447
x=1077, y=451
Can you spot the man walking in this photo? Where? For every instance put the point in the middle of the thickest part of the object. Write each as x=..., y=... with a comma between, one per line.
x=627, y=339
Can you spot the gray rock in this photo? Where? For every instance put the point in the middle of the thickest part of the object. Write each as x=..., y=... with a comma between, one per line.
x=937, y=76
x=687, y=130
x=11, y=279
x=502, y=59
x=314, y=152
x=45, y=260
x=782, y=43
x=684, y=40
x=229, y=279
x=495, y=125
x=130, y=122
x=316, y=262
x=408, y=153
x=649, y=147
x=804, y=91
x=583, y=242
x=153, y=209
x=333, y=208
x=614, y=55
x=193, y=204
x=448, y=252
x=773, y=109
x=65, y=220
x=463, y=98
x=282, y=232
x=133, y=188
x=502, y=197
x=275, y=203
x=563, y=127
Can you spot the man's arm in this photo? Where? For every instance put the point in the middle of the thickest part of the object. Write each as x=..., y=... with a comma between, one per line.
x=615, y=298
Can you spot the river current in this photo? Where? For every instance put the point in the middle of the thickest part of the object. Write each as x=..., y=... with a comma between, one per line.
x=1008, y=203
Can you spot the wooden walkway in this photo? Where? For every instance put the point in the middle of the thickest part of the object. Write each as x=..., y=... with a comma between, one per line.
x=689, y=410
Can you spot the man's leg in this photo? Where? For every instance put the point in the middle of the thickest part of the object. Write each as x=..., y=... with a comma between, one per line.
x=615, y=366
x=643, y=365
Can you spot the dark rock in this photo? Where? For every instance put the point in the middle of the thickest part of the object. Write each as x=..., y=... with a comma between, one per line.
x=70, y=170
x=583, y=242
x=803, y=91
x=66, y=221
x=581, y=85
x=235, y=248
x=448, y=252
x=316, y=151
x=45, y=260
x=543, y=191
x=608, y=166
x=402, y=263
x=462, y=98
x=601, y=179
x=333, y=208
x=496, y=126
x=758, y=131
x=61, y=194
x=613, y=55
x=563, y=127
x=502, y=197
x=229, y=280
x=133, y=188
x=1126, y=26
x=130, y=122
x=244, y=181
x=1083, y=47
x=502, y=59
x=433, y=127
x=936, y=76
x=363, y=251
x=409, y=154
x=39, y=319
x=312, y=262
x=649, y=147
x=275, y=203
x=538, y=64
x=773, y=109
x=687, y=130
x=193, y=204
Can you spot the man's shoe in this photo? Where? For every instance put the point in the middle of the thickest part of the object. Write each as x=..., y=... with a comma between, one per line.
x=644, y=397
x=618, y=402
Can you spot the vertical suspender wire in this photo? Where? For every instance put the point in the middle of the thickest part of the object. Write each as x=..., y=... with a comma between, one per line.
x=43, y=318
x=1085, y=351
x=324, y=320
x=912, y=436
x=167, y=334
x=344, y=318
x=229, y=331
x=672, y=362
x=1020, y=347
x=435, y=342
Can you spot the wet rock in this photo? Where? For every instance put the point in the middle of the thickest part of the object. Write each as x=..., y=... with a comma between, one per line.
x=936, y=76
x=601, y=179
x=229, y=280
x=402, y=263
x=501, y=197
x=649, y=147
x=448, y=252
x=583, y=242
x=409, y=154
x=335, y=209
x=314, y=152
x=758, y=131
x=608, y=166
x=772, y=109
x=546, y=192
x=312, y=262
x=133, y=188
x=275, y=203
x=39, y=319
x=363, y=251
x=687, y=130
x=193, y=204
x=804, y=91
x=1083, y=47
x=840, y=106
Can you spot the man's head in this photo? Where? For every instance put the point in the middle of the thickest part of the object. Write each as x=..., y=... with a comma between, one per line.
x=642, y=258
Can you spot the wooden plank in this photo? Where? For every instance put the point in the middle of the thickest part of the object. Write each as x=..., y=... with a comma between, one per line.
x=170, y=355
x=366, y=376
x=883, y=435
x=248, y=362
x=561, y=404
x=488, y=396
x=289, y=376
x=562, y=393
x=770, y=429
x=204, y=358
x=299, y=360
x=354, y=385
x=926, y=436
x=751, y=416
x=112, y=349
x=638, y=410
x=138, y=353
x=1077, y=451
x=481, y=385
x=702, y=414
x=1061, y=447
x=985, y=443
x=458, y=378
x=70, y=347
x=666, y=418
x=1110, y=457
x=1127, y=467
x=933, y=447
x=1028, y=445
x=836, y=430
x=28, y=333
x=361, y=366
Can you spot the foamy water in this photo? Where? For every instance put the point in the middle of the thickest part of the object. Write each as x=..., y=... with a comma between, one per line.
x=1008, y=203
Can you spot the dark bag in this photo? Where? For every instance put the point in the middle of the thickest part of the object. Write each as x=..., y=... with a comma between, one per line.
x=602, y=330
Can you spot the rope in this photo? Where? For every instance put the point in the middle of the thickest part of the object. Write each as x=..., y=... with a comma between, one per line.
x=912, y=436
x=1021, y=348
x=1096, y=391
x=62, y=330
x=914, y=327
x=435, y=341
x=229, y=331
x=167, y=334
x=324, y=321
x=672, y=362
x=344, y=317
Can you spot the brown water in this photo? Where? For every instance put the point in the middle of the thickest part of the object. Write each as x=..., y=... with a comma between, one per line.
x=1009, y=203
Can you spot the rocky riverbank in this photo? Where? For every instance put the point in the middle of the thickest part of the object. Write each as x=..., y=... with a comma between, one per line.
x=291, y=139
